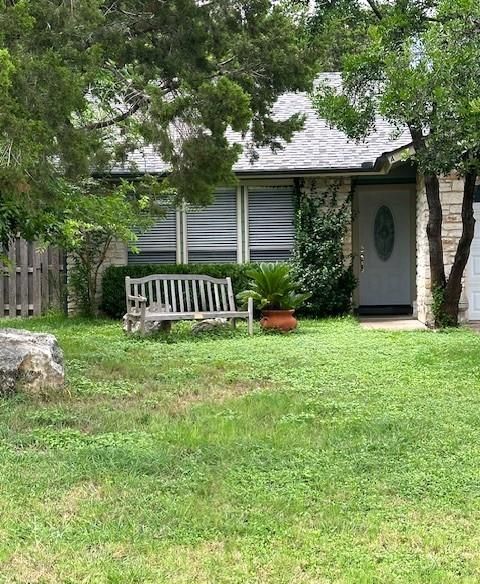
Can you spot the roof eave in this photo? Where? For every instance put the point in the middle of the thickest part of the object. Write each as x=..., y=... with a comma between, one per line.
x=382, y=165
x=255, y=173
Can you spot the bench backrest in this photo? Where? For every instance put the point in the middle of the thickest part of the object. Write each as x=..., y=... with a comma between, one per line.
x=182, y=292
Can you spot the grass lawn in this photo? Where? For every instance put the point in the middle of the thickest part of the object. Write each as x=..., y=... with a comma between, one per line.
x=329, y=455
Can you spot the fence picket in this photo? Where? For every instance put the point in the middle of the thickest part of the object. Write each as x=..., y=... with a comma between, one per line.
x=37, y=283
x=12, y=281
x=2, y=290
x=24, y=303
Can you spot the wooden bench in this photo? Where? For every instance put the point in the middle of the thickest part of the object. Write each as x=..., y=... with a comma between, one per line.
x=170, y=297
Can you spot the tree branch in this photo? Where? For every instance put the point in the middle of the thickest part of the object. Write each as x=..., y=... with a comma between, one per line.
x=120, y=117
x=375, y=9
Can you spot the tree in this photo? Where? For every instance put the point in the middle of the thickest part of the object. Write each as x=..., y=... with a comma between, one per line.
x=420, y=69
x=335, y=28
x=91, y=215
x=84, y=82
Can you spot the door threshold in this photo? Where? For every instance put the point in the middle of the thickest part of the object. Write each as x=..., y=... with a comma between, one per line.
x=385, y=310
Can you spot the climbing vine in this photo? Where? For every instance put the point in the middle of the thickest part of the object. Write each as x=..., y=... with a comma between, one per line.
x=320, y=264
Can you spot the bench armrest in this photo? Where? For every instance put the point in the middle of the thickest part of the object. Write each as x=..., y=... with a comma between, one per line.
x=137, y=298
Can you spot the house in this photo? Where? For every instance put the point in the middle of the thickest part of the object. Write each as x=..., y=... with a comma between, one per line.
x=253, y=220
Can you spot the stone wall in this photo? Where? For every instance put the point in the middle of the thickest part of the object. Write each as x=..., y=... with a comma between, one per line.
x=117, y=255
x=451, y=194
x=318, y=186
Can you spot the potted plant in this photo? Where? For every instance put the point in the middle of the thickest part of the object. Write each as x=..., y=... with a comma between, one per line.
x=274, y=293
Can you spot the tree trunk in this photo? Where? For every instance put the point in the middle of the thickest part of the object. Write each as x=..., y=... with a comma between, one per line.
x=434, y=231
x=453, y=288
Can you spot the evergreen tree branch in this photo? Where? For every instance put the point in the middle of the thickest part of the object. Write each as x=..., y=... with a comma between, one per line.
x=144, y=100
x=375, y=9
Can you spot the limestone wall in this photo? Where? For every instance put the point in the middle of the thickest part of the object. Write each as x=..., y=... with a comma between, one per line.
x=117, y=255
x=451, y=194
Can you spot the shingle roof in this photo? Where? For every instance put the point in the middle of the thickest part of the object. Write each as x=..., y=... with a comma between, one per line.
x=316, y=148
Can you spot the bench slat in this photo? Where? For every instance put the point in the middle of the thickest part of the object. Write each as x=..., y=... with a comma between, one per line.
x=217, y=297
x=165, y=296
x=187, y=295
x=150, y=297
x=194, y=315
x=174, y=300
x=202, y=295
x=224, y=298
x=157, y=290
x=210, y=306
x=195, y=295
x=180, y=294
x=231, y=297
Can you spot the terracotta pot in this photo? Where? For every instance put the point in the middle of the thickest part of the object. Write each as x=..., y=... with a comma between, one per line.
x=282, y=320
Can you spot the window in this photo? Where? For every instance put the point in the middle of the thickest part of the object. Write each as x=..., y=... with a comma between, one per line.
x=212, y=230
x=270, y=223
x=158, y=245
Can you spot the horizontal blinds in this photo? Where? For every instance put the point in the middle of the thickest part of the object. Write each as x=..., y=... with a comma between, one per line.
x=158, y=244
x=212, y=230
x=270, y=223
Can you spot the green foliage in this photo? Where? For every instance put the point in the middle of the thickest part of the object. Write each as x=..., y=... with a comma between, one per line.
x=113, y=283
x=319, y=262
x=419, y=67
x=92, y=215
x=441, y=319
x=84, y=83
x=334, y=30
x=273, y=288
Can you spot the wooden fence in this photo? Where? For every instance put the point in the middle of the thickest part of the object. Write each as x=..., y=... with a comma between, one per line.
x=33, y=280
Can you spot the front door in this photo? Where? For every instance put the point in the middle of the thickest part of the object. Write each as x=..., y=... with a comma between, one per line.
x=385, y=248
x=473, y=271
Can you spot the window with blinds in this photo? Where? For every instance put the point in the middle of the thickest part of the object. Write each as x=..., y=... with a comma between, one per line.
x=270, y=223
x=159, y=244
x=212, y=230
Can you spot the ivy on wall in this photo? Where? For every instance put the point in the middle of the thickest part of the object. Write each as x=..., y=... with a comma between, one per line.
x=320, y=264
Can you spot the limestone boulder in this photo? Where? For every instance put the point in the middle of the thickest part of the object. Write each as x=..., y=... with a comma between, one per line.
x=29, y=361
x=209, y=325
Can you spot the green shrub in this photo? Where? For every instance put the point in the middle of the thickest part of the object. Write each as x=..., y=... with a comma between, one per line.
x=113, y=284
x=319, y=263
x=272, y=288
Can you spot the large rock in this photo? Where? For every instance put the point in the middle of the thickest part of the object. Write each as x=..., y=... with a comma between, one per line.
x=29, y=361
x=209, y=325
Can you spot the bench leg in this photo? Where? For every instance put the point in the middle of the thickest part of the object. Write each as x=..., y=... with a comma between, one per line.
x=142, y=319
x=250, y=316
x=233, y=322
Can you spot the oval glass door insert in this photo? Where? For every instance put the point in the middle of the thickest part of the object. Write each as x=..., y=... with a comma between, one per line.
x=384, y=233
